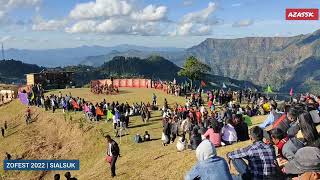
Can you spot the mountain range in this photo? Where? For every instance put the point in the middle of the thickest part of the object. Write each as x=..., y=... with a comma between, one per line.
x=154, y=67
x=75, y=56
x=282, y=62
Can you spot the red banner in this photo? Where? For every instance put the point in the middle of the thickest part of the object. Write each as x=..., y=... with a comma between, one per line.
x=116, y=83
x=137, y=83
x=123, y=83
x=129, y=83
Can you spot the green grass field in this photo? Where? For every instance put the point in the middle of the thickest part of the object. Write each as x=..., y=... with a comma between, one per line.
x=70, y=136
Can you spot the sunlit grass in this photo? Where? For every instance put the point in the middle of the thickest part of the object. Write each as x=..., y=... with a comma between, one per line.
x=62, y=136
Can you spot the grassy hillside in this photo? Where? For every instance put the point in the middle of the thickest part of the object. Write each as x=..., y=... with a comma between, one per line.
x=59, y=136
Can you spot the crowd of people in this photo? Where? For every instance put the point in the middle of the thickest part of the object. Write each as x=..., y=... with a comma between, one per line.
x=289, y=129
x=223, y=126
x=285, y=145
x=6, y=96
x=106, y=89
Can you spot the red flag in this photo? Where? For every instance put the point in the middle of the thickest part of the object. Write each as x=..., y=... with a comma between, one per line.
x=291, y=92
x=203, y=84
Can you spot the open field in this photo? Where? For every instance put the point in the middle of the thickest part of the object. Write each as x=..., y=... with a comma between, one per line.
x=70, y=136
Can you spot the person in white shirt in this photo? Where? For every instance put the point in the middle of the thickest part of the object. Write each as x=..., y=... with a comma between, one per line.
x=182, y=143
x=229, y=134
x=115, y=125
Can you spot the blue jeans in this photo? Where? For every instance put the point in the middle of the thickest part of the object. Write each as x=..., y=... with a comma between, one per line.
x=241, y=166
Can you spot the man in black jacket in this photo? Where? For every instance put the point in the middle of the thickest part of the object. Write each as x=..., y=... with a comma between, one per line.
x=113, y=150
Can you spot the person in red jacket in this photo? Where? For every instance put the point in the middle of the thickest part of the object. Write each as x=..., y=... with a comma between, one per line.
x=198, y=116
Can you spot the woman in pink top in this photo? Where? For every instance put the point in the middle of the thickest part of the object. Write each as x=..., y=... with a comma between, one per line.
x=214, y=134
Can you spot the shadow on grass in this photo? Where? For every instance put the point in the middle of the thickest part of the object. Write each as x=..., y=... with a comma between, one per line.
x=35, y=119
x=11, y=134
x=13, y=127
x=140, y=125
x=155, y=119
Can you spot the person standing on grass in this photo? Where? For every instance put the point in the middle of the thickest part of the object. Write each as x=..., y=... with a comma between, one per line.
x=28, y=115
x=113, y=150
x=5, y=125
x=2, y=131
x=154, y=99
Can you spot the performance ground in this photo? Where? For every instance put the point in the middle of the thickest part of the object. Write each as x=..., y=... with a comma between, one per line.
x=70, y=136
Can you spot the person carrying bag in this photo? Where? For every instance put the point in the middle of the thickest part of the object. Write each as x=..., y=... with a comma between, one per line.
x=113, y=152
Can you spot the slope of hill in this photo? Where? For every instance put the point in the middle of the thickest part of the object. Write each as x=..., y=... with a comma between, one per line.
x=263, y=60
x=70, y=136
x=12, y=71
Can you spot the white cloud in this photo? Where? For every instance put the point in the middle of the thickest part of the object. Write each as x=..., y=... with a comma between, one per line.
x=203, y=16
x=8, y=5
x=151, y=29
x=190, y=29
x=243, y=23
x=118, y=17
x=114, y=26
x=187, y=2
x=150, y=13
x=51, y=25
x=82, y=27
x=198, y=23
x=184, y=29
x=101, y=8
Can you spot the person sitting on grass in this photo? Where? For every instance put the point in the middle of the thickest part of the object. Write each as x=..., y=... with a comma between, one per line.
x=182, y=143
x=287, y=147
x=146, y=136
x=305, y=163
x=273, y=115
x=68, y=176
x=282, y=122
x=195, y=139
x=229, y=134
x=214, y=134
x=260, y=156
x=241, y=128
x=209, y=165
x=56, y=177
x=309, y=130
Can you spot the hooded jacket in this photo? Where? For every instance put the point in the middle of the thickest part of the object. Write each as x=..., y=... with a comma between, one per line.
x=209, y=166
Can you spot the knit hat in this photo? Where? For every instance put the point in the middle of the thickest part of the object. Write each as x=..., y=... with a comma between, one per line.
x=306, y=159
x=205, y=150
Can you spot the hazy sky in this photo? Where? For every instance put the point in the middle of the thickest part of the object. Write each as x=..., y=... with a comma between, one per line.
x=41, y=24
